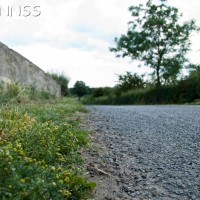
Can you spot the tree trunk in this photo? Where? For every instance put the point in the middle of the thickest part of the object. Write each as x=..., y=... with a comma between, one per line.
x=158, y=76
x=158, y=83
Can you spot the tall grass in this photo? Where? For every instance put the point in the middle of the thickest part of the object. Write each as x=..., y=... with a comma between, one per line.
x=15, y=92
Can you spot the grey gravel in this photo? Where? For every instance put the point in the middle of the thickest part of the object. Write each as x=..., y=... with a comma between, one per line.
x=153, y=151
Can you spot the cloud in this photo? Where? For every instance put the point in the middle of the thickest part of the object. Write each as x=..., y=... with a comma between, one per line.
x=95, y=68
x=74, y=36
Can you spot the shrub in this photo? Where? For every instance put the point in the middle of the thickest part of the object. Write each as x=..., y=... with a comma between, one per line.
x=63, y=81
x=39, y=152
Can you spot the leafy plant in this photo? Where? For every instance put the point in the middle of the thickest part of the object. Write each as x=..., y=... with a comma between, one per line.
x=63, y=81
x=39, y=152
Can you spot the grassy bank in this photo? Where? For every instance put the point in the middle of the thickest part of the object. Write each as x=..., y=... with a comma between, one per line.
x=39, y=151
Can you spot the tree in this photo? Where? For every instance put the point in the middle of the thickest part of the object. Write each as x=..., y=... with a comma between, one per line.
x=80, y=89
x=156, y=38
x=63, y=81
x=130, y=81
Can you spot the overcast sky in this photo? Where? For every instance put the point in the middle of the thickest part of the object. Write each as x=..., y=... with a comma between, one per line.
x=73, y=36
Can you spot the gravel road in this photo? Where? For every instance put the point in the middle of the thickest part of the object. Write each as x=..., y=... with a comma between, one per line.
x=153, y=152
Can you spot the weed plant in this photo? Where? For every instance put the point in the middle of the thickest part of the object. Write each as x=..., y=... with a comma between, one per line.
x=39, y=151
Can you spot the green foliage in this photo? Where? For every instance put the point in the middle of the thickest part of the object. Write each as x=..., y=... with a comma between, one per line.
x=17, y=93
x=80, y=89
x=39, y=152
x=102, y=91
x=157, y=38
x=186, y=90
x=130, y=81
x=9, y=91
x=63, y=81
x=97, y=92
x=189, y=87
x=155, y=95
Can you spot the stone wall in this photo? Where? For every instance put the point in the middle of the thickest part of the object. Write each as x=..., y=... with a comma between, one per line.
x=15, y=67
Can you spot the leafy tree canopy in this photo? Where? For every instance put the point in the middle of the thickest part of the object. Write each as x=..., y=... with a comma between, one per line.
x=80, y=89
x=157, y=38
x=130, y=81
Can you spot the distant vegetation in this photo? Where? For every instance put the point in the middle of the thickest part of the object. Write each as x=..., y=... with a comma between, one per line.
x=80, y=89
x=157, y=38
x=185, y=90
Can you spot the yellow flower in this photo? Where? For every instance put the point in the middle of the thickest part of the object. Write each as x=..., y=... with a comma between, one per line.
x=66, y=173
x=57, y=176
x=21, y=153
x=14, y=149
x=66, y=193
x=10, y=145
x=53, y=168
x=23, y=180
x=66, y=179
x=18, y=145
x=60, y=181
x=43, y=162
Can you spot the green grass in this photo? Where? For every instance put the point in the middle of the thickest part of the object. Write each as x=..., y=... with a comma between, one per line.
x=39, y=151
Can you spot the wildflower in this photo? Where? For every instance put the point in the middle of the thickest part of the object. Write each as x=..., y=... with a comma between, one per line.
x=21, y=153
x=53, y=168
x=59, y=169
x=66, y=193
x=66, y=173
x=18, y=145
x=23, y=180
x=60, y=181
x=57, y=176
x=66, y=180
x=43, y=162
x=14, y=149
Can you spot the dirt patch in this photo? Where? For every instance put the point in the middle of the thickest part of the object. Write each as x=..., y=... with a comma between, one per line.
x=97, y=167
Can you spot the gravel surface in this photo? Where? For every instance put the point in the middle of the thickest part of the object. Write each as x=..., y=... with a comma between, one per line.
x=149, y=152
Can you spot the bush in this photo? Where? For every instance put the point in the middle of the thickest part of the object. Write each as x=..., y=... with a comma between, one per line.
x=154, y=95
x=63, y=81
x=97, y=92
x=39, y=152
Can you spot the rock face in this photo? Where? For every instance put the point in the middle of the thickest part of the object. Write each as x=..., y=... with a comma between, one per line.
x=15, y=67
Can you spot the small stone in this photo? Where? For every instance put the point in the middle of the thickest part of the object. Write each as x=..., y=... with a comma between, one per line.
x=120, y=195
x=144, y=176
